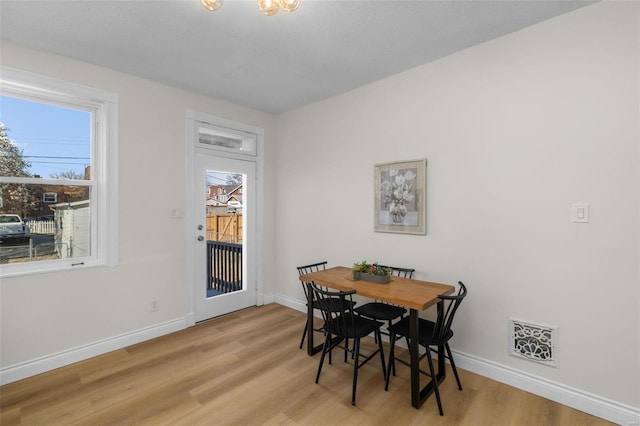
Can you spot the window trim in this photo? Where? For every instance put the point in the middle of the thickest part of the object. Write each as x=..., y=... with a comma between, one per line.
x=104, y=172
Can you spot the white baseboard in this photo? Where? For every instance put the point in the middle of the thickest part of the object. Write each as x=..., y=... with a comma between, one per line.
x=30, y=368
x=291, y=303
x=269, y=298
x=580, y=400
x=190, y=319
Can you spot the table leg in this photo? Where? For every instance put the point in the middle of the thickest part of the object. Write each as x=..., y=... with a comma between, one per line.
x=309, y=320
x=415, y=359
x=442, y=371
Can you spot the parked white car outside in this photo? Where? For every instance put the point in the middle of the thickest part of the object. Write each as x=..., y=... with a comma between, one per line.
x=12, y=227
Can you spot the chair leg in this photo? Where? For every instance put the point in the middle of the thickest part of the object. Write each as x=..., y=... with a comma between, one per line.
x=392, y=341
x=346, y=349
x=356, y=362
x=304, y=332
x=381, y=350
x=453, y=365
x=434, y=380
x=326, y=347
x=393, y=364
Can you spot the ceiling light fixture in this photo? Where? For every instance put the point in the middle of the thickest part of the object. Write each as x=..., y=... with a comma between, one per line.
x=268, y=7
x=211, y=4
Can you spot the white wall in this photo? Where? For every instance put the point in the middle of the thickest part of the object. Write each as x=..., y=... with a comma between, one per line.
x=52, y=314
x=515, y=130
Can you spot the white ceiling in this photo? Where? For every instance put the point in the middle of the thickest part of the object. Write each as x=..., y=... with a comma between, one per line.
x=272, y=63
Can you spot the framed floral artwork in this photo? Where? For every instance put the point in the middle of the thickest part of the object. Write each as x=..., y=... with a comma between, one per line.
x=400, y=197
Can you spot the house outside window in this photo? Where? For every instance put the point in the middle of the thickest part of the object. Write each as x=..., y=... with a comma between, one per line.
x=58, y=142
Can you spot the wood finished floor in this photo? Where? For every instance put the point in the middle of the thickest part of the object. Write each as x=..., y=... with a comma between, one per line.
x=246, y=369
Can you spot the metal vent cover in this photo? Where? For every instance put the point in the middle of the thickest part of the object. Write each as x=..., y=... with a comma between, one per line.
x=534, y=342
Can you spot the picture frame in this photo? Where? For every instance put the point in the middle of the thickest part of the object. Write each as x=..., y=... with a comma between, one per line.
x=400, y=197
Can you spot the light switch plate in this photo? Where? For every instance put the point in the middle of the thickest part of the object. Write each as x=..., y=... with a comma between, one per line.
x=580, y=213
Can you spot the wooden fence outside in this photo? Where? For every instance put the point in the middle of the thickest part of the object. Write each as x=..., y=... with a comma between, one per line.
x=225, y=227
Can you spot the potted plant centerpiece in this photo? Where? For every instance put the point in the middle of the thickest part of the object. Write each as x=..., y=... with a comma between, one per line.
x=371, y=272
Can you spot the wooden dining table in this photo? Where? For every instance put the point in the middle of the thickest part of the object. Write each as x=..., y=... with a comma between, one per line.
x=413, y=294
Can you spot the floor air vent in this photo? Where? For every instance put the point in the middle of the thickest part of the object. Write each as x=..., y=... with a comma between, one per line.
x=534, y=342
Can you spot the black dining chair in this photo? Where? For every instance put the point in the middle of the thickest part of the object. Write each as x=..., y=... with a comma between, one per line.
x=346, y=325
x=430, y=335
x=307, y=269
x=383, y=311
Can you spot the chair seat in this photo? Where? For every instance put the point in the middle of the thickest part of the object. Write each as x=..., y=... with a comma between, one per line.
x=361, y=326
x=425, y=331
x=381, y=311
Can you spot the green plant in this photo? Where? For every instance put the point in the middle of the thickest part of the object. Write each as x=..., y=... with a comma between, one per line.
x=371, y=269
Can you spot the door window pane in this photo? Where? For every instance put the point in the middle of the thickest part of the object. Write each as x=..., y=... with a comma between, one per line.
x=224, y=232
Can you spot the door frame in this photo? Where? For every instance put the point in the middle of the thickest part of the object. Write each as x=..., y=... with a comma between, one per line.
x=190, y=232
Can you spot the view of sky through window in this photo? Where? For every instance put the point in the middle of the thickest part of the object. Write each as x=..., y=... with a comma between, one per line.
x=54, y=140
x=219, y=178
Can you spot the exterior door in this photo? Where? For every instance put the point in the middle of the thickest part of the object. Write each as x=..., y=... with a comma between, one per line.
x=225, y=242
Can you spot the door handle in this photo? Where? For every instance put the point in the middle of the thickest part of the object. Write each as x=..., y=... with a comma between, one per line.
x=200, y=238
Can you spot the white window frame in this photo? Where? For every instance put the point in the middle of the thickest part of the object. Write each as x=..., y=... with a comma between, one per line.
x=49, y=197
x=104, y=164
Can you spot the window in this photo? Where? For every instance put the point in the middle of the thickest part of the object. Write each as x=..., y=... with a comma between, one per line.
x=58, y=146
x=49, y=197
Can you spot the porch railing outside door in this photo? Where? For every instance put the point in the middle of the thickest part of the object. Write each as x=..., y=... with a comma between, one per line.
x=224, y=267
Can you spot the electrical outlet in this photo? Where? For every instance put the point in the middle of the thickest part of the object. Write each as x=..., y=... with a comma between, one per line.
x=155, y=305
x=175, y=213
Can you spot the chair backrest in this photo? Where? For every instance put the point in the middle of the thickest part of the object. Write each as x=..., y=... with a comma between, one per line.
x=400, y=272
x=446, y=312
x=336, y=308
x=307, y=269
x=314, y=267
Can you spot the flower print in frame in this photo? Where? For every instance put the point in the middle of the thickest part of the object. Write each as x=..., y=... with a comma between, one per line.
x=400, y=197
